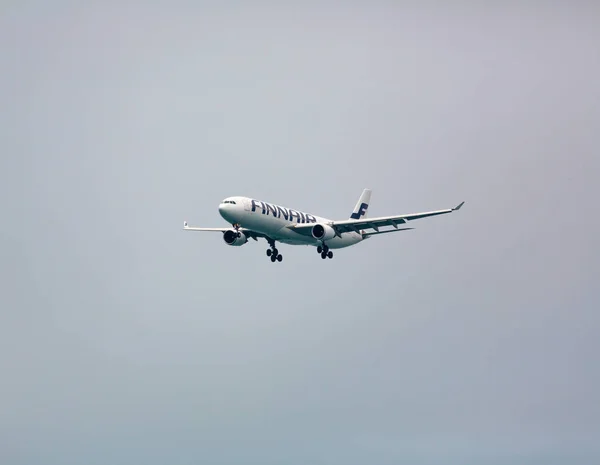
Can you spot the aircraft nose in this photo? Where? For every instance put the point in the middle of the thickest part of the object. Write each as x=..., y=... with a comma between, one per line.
x=227, y=212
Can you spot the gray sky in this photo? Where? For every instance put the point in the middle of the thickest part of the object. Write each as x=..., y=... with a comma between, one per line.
x=471, y=340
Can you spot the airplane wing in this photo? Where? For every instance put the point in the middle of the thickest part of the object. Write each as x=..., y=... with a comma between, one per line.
x=248, y=232
x=375, y=223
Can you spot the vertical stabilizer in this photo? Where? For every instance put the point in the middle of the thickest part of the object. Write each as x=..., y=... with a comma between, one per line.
x=360, y=210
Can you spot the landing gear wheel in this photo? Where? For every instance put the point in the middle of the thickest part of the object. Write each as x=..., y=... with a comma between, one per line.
x=273, y=252
x=319, y=249
x=330, y=254
x=323, y=255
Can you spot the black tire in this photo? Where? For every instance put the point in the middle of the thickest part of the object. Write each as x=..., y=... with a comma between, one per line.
x=275, y=251
x=323, y=255
x=279, y=257
x=269, y=252
x=330, y=254
x=273, y=258
x=319, y=249
x=325, y=249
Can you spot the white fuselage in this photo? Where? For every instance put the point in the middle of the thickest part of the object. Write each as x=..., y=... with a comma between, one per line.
x=273, y=221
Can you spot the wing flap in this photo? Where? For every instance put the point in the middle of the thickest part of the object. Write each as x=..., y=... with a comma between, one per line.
x=365, y=235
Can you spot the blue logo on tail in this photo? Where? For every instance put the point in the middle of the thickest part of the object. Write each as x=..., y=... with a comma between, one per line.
x=361, y=211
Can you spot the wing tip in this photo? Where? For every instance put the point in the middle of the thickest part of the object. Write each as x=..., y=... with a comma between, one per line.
x=185, y=225
x=459, y=206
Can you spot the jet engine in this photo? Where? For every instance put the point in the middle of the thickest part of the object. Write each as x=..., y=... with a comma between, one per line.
x=235, y=238
x=323, y=232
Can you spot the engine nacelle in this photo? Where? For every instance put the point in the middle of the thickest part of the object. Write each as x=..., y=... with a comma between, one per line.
x=231, y=237
x=323, y=232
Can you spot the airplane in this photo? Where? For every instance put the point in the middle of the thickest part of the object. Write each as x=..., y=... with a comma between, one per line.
x=251, y=218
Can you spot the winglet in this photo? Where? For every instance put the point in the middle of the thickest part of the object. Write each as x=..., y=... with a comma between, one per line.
x=458, y=206
x=184, y=224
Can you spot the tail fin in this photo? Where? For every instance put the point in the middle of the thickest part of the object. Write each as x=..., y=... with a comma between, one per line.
x=360, y=210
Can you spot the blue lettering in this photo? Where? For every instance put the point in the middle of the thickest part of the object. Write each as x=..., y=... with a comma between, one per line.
x=361, y=211
x=256, y=203
x=271, y=208
x=296, y=214
x=287, y=213
x=282, y=212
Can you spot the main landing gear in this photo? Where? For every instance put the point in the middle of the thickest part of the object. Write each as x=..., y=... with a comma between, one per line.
x=324, y=251
x=274, y=253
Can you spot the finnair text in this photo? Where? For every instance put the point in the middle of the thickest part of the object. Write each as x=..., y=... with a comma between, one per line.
x=282, y=212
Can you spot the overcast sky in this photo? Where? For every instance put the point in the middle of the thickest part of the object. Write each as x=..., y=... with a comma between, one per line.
x=470, y=340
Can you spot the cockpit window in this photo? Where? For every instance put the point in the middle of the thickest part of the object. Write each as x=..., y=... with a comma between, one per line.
x=229, y=201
